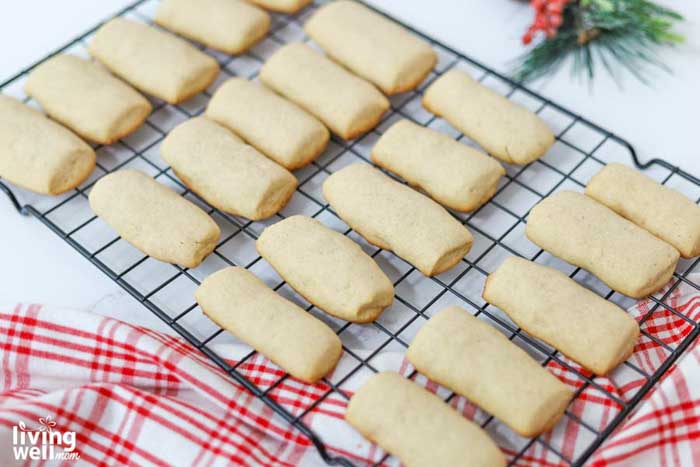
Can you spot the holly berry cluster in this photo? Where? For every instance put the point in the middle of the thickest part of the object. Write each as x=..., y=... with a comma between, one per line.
x=548, y=18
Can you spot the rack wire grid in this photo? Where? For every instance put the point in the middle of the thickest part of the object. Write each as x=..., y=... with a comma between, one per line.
x=581, y=148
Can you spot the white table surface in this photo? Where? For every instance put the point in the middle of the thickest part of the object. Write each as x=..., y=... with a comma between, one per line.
x=661, y=121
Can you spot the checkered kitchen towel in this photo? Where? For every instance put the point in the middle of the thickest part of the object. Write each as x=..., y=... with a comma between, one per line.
x=81, y=389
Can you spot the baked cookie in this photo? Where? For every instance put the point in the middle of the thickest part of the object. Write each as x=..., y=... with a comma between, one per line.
x=473, y=359
x=416, y=426
x=326, y=268
x=346, y=104
x=394, y=217
x=154, y=218
x=505, y=129
x=154, y=61
x=661, y=210
x=452, y=173
x=229, y=174
x=278, y=128
x=282, y=6
x=371, y=46
x=39, y=154
x=231, y=26
x=587, y=234
x=551, y=306
x=295, y=340
x=86, y=98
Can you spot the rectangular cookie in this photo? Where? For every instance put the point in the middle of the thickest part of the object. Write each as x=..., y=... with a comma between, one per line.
x=473, y=359
x=371, y=46
x=394, y=217
x=292, y=338
x=416, y=426
x=452, y=173
x=551, y=306
x=587, y=234
x=282, y=6
x=278, y=128
x=326, y=268
x=39, y=154
x=505, y=129
x=346, y=104
x=154, y=61
x=154, y=218
x=229, y=174
x=231, y=26
x=661, y=210
x=86, y=98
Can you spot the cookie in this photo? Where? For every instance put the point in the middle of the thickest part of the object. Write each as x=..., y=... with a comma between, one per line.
x=292, y=338
x=452, y=173
x=394, y=217
x=231, y=26
x=153, y=61
x=416, y=426
x=473, y=359
x=39, y=154
x=551, y=306
x=505, y=129
x=229, y=174
x=154, y=218
x=282, y=6
x=583, y=232
x=278, y=128
x=86, y=98
x=662, y=211
x=348, y=105
x=326, y=268
x=371, y=46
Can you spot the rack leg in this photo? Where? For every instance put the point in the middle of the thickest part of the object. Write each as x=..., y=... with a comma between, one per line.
x=13, y=198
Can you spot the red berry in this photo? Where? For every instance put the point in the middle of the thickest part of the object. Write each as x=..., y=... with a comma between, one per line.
x=548, y=18
x=556, y=8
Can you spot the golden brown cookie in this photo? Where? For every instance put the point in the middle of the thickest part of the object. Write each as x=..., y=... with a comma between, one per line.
x=152, y=60
x=39, y=154
x=154, y=218
x=294, y=339
x=587, y=234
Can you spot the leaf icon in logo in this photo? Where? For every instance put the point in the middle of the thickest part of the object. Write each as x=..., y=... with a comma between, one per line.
x=50, y=423
x=47, y=423
x=22, y=426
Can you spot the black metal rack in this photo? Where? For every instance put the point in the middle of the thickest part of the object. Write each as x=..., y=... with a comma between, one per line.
x=581, y=148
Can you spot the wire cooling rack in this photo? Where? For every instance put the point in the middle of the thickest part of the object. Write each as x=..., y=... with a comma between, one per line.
x=498, y=228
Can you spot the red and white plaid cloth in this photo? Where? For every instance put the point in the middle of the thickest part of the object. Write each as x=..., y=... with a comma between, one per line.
x=133, y=396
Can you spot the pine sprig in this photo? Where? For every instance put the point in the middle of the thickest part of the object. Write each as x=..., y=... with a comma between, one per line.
x=612, y=33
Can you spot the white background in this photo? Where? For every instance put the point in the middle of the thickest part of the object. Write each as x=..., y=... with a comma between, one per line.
x=659, y=120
